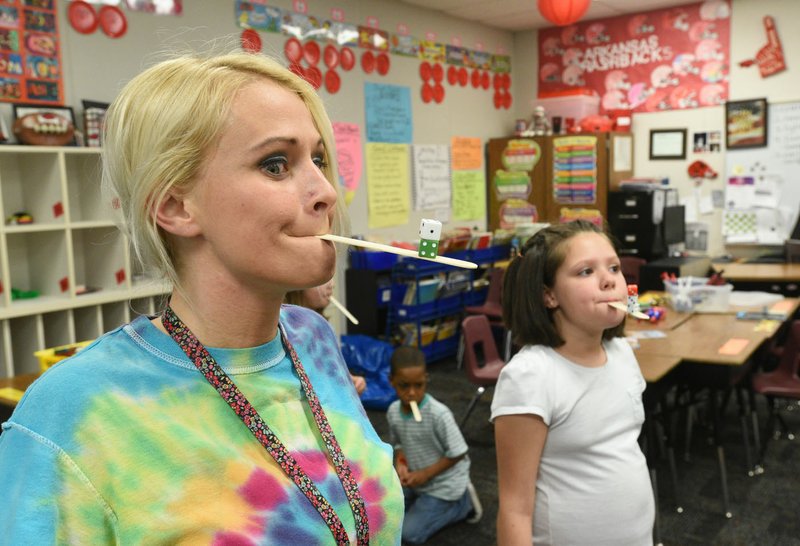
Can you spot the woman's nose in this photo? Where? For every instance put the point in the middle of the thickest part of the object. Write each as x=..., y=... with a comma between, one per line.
x=323, y=193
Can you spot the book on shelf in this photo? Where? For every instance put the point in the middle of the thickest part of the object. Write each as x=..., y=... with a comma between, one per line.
x=481, y=239
x=423, y=291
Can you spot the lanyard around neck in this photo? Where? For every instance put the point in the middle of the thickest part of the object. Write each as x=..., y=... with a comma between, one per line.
x=226, y=388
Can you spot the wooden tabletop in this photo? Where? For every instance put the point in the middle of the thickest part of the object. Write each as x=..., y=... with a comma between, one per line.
x=655, y=366
x=759, y=272
x=700, y=339
x=20, y=383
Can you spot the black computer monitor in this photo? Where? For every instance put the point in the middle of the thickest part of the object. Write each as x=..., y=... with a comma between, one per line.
x=674, y=225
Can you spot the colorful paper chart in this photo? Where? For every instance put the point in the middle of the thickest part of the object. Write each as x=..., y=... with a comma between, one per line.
x=575, y=170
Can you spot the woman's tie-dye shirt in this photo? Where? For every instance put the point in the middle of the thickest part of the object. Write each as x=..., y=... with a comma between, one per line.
x=127, y=443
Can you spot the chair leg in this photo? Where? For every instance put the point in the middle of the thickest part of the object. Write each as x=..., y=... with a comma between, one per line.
x=471, y=406
x=689, y=423
x=657, y=526
x=758, y=469
x=460, y=353
x=748, y=459
x=769, y=427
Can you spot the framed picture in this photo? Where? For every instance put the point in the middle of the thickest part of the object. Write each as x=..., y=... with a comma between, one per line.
x=667, y=143
x=27, y=131
x=94, y=114
x=746, y=123
x=22, y=110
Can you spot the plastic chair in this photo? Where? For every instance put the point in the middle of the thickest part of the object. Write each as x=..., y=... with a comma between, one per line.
x=783, y=382
x=630, y=268
x=481, y=359
x=492, y=307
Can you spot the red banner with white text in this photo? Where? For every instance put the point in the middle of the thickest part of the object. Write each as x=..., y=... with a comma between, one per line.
x=666, y=59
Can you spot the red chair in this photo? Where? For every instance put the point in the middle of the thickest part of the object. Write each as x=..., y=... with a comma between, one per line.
x=782, y=382
x=481, y=359
x=630, y=268
x=492, y=307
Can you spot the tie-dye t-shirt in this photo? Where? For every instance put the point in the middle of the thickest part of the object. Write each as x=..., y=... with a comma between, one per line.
x=127, y=443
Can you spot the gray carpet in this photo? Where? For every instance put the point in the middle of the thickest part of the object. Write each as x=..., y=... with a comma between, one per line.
x=766, y=508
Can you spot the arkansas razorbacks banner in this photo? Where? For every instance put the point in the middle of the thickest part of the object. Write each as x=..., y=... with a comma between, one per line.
x=666, y=59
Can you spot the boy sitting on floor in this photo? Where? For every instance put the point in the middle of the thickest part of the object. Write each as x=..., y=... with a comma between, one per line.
x=430, y=453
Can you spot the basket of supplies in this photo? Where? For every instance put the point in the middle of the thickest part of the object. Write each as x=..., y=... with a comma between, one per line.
x=696, y=294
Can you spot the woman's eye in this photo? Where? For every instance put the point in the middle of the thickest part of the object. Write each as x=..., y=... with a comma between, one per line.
x=320, y=162
x=275, y=166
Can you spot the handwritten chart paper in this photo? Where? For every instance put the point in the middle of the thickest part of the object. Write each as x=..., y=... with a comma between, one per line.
x=348, y=155
x=387, y=184
x=467, y=154
x=431, y=167
x=469, y=195
x=388, y=113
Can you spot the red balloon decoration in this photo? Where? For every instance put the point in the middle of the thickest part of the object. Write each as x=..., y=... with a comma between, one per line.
x=562, y=12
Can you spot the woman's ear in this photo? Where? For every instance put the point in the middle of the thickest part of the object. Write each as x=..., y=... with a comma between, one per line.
x=174, y=215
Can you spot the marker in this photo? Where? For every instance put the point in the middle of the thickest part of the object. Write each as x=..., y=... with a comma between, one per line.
x=400, y=251
x=415, y=411
x=622, y=307
x=344, y=310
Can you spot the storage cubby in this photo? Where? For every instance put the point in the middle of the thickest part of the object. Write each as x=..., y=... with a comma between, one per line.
x=99, y=259
x=86, y=204
x=37, y=261
x=31, y=182
x=142, y=306
x=58, y=328
x=28, y=337
x=71, y=243
x=88, y=322
x=114, y=314
x=6, y=358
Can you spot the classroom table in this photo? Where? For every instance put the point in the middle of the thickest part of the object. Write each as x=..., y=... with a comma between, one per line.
x=754, y=272
x=17, y=384
x=713, y=351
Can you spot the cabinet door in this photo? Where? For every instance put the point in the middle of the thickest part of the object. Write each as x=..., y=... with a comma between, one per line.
x=512, y=188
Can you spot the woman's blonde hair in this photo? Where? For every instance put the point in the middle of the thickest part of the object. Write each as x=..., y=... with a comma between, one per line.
x=160, y=128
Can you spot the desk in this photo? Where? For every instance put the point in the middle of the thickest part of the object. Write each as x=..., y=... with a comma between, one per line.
x=778, y=278
x=695, y=344
x=20, y=382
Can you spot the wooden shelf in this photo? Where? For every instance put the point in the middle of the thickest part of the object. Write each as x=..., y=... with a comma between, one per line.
x=72, y=242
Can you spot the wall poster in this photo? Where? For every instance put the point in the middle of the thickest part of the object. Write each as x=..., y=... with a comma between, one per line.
x=30, y=56
x=666, y=59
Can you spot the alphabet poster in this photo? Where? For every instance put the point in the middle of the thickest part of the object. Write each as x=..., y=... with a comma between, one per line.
x=665, y=59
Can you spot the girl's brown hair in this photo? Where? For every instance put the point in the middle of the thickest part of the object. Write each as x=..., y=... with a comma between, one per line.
x=527, y=277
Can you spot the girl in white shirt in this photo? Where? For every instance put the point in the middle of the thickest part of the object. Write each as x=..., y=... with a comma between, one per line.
x=568, y=407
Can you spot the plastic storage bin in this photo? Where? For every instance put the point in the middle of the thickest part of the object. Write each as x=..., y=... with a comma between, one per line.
x=574, y=105
x=699, y=296
x=48, y=357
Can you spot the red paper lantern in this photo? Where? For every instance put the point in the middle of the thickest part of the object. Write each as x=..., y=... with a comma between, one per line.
x=562, y=12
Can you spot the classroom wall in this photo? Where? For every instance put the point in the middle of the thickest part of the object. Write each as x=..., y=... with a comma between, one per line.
x=96, y=67
x=747, y=37
x=464, y=111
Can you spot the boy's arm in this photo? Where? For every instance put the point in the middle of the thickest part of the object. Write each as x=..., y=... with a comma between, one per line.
x=424, y=475
x=401, y=466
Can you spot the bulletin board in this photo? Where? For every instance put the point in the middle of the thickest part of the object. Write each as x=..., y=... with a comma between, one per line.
x=778, y=165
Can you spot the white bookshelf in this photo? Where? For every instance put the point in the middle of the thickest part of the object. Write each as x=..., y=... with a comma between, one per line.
x=72, y=243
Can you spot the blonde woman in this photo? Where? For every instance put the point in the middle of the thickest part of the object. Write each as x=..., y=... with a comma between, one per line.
x=224, y=419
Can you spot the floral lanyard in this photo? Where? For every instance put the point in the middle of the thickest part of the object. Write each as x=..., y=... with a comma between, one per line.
x=215, y=375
